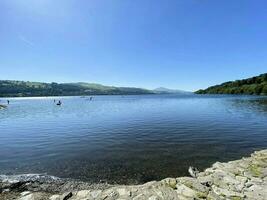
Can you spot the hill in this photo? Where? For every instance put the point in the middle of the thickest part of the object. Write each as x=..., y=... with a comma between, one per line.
x=162, y=90
x=9, y=88
x=253, y=86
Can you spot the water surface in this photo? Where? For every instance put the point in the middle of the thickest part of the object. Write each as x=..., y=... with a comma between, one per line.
x=128, y=139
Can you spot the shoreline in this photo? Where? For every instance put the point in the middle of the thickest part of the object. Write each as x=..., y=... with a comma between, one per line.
x=239, y=179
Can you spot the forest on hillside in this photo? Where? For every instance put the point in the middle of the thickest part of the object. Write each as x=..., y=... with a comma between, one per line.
x=10, y=88
x=253, y=86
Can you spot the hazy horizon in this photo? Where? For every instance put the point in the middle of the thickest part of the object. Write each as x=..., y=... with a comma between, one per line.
x=186, y=45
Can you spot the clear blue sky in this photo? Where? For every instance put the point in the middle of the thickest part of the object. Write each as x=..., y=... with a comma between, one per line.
x=183, y=44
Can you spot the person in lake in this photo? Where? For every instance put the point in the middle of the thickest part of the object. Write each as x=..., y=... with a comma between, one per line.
x=59, y=103
x=7, y=101
x=91, y=98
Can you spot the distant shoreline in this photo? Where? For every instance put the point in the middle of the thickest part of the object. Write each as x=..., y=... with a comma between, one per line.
x=14, y=88
x=81, y=96
x=4, y=97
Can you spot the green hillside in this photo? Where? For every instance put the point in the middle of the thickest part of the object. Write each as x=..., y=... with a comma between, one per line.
x=25, y=89
x=253, y=86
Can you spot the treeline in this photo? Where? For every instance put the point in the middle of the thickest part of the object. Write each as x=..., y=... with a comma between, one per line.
x=253, y=86
x=26, y=89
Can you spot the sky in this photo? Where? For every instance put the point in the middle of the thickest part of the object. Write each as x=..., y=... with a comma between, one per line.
x=179, y=44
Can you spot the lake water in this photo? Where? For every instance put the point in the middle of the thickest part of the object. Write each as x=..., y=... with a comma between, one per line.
x=128, y=139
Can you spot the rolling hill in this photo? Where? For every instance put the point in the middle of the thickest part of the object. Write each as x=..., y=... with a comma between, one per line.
x=10, y=88
x=162, y=90
x=252, y=86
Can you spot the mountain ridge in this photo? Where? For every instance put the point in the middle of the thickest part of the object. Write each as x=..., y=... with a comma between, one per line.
x=163, y=90
x=14, y=88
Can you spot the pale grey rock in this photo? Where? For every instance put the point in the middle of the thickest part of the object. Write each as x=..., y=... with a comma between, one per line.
x=64, y=196
x=6, y=190
x=33, y=196
x=55, y=197
x=185, y=191
x=139, y=197
x=95, y=193
x=87, y=193
x=193, y=171
x=153, y=198
x=123, y=192
x=171, y=182
x=193, y=184
x=226, y=193
x=25, y=193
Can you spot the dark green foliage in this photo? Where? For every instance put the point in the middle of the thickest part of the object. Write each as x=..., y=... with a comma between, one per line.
x=24, y=89
x=254, y=86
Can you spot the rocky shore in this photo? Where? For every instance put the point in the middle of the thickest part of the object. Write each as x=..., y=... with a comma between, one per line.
x=2, y=106
x=235, y=180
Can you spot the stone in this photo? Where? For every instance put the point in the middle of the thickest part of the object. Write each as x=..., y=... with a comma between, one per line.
x=25, y=193
x=193, y=171
x=55, y=197
x=226, y=193
x=153, y=198
x=109, y=194
x=193, y=184
x=185, y=191
x=64, y=196
x=5, y=190
x=2, y=106
x=67, y=195
x=33, y=196
x=171, y=182
x=95, y=193
x=86, y=193
x=139, y=197
x=124, y=192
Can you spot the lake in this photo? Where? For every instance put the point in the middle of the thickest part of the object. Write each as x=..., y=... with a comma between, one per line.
x=128, y=139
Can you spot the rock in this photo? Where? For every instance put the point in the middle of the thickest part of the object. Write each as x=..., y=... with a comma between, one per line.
x=139, y=197
x=124, y=192
x=2, y=106
x=185, y=191
x=25, y=193
x=193, y=184
x=153, y=198
x=55, y=197
x=66, y=196
x=5, y=190
x=95, y=193
x=226, y=193
x=193, y=171
x=27, y=197
x=33, y=196
x=171, y=182
x=109, y=194
x=85, y=193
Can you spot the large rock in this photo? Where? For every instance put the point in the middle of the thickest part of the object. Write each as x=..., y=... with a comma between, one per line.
x=2, y=106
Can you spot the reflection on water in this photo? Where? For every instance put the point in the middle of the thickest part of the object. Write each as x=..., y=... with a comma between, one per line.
x=259, y=105
x=128, y=139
